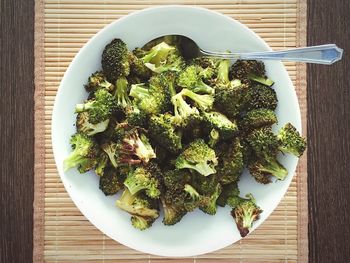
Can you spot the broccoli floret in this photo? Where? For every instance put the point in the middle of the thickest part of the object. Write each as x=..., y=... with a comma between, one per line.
x=226, y=128
x=84, y=155
x=140, y=207
x=137, y=145
x=208, y=203
x=163, y=57
x=185, y=115
x=290, y=140
x=97, y=81
x=257, y=118
x=198, y=156
x=136, y=117
x=115, y=60
x=263, y=169
x=85, y=126
x=142, y=222
x=111, y=182
x=162, y=130
x=112, y=151
x=263, y=142
x=152, y=99
x=146, y=179
x=173, y=213
x=260, y=96
x=100, y=108
x=102, y=164
x=121, y=93
x=205, y=185
x=203, y=102
x=206, y=62
x=231, y=99
x=230, y=162
x=191, y=78
x=245, y=214
x=247, y=70
x=229, y=191
x=139, y=69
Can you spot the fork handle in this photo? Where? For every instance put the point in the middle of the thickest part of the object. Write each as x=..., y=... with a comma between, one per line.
x=323, y=54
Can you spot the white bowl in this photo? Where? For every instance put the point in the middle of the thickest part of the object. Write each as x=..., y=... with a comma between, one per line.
x=197, y=233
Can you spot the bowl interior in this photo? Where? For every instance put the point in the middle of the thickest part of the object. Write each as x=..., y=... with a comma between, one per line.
x=197, y=233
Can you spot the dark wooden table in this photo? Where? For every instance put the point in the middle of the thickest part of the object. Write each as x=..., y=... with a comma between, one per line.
x=328, y=133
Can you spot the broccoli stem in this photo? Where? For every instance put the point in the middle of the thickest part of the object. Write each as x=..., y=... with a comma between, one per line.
x=84, y=106
x=121, y=92
x=223, y=71
x=205, y=102
x=265, y=81
x=203, y=88
x=139, y=91
x=72, y=160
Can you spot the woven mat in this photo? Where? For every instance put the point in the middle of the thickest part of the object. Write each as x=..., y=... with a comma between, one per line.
x=61, y=233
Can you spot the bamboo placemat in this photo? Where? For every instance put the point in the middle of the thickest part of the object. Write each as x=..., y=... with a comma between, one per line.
x=61, y=233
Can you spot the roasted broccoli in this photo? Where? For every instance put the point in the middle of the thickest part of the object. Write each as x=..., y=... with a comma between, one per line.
x=144, y=178
x=97, y=81
x=198, y=156
x=218, y=121
x=116, y=60
x=290, y=140
x=84, y=155
x=247, y=70
x=140, y=208
x=257, y=118
x=100, y=108
x=191, y=78
x=162, y=130
x=260, y=96
x=150, y=99
x=230, y=161
x=111, y=182
x=85, y=126
x=176, y=132
x=162, y=57
x=245, y=214
x=231, y=99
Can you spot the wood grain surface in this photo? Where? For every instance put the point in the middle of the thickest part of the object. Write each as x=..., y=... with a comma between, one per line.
x=16, y=130
x=328, y=133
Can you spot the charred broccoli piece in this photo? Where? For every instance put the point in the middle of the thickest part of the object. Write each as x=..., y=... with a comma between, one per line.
x=136, y=145
x=250, y=70
x=263, y=142
x=162, y=57
x=218, y=121
x=144, y=178
x=192, y=78
x=230, y=162
x=111, y=182
x=142, y=210
x=263, y=169
x=97, y=81
x=208, y=203
x=100, y=108
x=173, y=212
x=85, y=126
x=245, y=214
x=162, y=130
x=257, y=118
x=290, y=140
x=229, y=191
x=260, y=96
x=150, y=99
x=116, y=60
x=84, y=155
x=231, y=99
x=198, y=156
x=136, y=117
x=121, y=93
x=139, y=69
x=102, y=164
